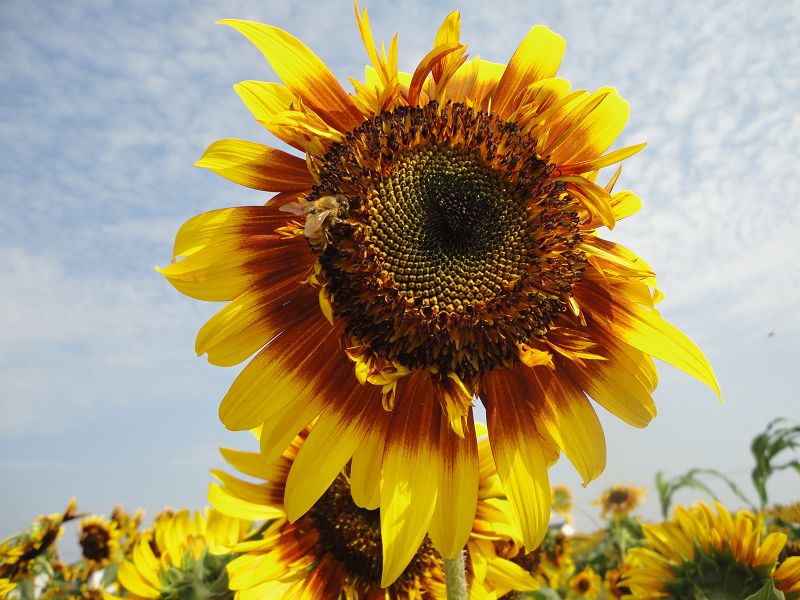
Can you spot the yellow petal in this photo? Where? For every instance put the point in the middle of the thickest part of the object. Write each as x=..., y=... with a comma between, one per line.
x=255, y=166
x=242, y=509
x=591, y=128
x=365, y=470
x=457, y=495
x=320, y=460
x=537, y=57
x=349, y=416
x=579, y=430
x=284, y=424
x=600, y=162
x=518, y=451
x=250, y=321
x=647, y=331
x=302, y=364
x=409, y=481
x=426, y=65
x=129, y=577
x=302, y=72
x=266, y=100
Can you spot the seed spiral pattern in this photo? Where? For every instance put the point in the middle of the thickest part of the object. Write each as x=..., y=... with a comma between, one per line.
x=450, y=243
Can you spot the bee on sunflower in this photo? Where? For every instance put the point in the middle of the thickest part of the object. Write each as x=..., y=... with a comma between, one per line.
x=437, y=240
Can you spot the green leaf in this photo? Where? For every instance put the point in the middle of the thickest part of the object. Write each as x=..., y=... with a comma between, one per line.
x=768, y=592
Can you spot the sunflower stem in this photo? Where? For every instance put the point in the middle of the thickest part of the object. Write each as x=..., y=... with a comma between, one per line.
x=455, y=577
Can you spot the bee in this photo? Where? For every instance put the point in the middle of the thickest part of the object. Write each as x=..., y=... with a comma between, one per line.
x=317, y=212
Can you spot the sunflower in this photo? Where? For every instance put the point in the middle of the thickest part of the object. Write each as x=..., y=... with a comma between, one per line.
x=620, y=500
x=613, y=580
x=586, y=584
x=19, y=554
x=128, y=525
x=182, y=556
x=437, y=241
x=99, y=540
x=335, y=549
x=562, y=502
x=5, y=587
x=699, y=551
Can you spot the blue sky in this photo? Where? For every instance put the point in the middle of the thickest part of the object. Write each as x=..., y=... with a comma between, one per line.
x=105, y=107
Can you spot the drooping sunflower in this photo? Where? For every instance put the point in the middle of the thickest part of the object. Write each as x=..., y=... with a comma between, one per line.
x=620, y=500
x=182, y=556
x=562, y=502
x=700, y=551
x=20, y=554
x=436, y=241
x=586, y=584
x=335, y=549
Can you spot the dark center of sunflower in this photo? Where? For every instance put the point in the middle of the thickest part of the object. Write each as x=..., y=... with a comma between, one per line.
x=584, y=585
x=618, y=497
x=352, y=537
x=450, y=244
x=94, y=542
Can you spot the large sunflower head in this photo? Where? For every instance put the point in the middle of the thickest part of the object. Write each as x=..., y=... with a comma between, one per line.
x=436, y=241
x=183, y=556
x=701, y=551
x=335, y=549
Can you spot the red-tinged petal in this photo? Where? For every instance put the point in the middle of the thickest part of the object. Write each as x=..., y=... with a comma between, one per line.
x=255, y=166
x=365, y=469
x=301, y=364
x=579, y=430
x=226, y=225
x=519, y=452
x=426, y=65
x=537, y=57
x=410, y=475
x=251, y=320
x=646, y=330
x=302, y=72
x=266, y=100
x=591, y=133
x=331, y=443
x=457, y=496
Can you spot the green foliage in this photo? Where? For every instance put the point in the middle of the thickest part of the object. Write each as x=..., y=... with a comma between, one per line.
x=776, y=440
x=667, y=488
x=768, y=592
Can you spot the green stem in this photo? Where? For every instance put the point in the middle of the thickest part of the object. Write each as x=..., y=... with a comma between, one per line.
x=455, y=577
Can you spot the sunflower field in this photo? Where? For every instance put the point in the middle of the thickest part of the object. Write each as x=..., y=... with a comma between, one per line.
x=244, y=546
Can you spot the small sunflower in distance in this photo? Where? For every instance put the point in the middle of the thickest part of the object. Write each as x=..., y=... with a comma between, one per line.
x=620, y=500
x=99, y=541
x=437, y=241
x=586, y=584
x=335, y=549
x=700, y=552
